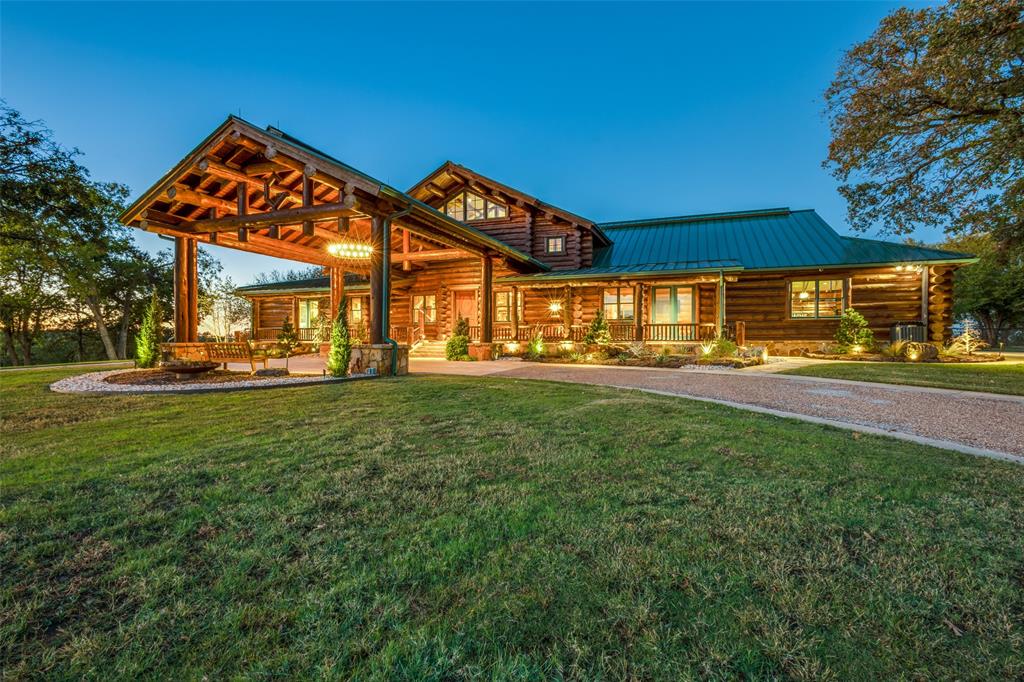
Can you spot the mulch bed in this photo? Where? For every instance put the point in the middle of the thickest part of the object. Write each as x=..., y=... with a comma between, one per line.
x=159, y=377
x=877, y=357
x=670, y=362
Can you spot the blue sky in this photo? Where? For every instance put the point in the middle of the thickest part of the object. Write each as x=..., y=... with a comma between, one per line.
x=613, y=111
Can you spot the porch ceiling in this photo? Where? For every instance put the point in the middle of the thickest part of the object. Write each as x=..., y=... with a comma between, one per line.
x=265, y=192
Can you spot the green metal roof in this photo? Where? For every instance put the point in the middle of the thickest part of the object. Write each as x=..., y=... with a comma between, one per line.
x=767, y=239
x=298, y=286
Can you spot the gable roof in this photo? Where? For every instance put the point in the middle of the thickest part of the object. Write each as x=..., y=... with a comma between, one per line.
x=339, y=169
x=766, y=239
x=452, y=169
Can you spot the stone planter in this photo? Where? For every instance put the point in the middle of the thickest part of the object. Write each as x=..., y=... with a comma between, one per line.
x=482, y=351
x=376, y=360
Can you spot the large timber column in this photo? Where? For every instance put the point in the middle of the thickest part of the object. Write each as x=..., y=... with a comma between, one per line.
x=378, y=302
x=486, y=299
x=186, y=290
x=337, y=290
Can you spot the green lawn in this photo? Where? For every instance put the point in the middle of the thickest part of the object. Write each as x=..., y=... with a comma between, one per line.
x=447, y=528
x=1001, y=377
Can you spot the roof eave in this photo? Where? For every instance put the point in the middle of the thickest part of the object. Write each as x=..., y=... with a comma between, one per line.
x=879, y=264
x=633, y=274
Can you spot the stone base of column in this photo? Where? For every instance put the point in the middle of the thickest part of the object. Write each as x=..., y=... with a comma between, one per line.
x=482, y=351
x=376, y=358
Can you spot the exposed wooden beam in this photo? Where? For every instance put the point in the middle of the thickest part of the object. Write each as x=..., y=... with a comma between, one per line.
x=298, y=159
x=291, y=216
x=430, y=255
x=435, y=190
x=255, y=243
x=185, y=195
x=216, y=169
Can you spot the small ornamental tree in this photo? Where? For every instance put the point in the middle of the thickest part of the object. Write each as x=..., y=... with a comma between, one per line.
x=457, y=347
x=854, y=331
x=147, y=343
x=598, y=333
x=287, y=340
x=341, y=343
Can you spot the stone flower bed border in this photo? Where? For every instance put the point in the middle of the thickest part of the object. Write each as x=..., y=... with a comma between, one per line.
x=670, y=362
x=94, y=383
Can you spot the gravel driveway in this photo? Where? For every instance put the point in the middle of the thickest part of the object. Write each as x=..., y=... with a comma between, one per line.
x=978, y=421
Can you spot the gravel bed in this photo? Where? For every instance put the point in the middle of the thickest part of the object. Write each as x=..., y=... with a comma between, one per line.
x=977, y=421
x=94, y=383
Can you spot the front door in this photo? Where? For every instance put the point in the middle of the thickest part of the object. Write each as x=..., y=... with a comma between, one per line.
x=465, y=306
x=424, y=315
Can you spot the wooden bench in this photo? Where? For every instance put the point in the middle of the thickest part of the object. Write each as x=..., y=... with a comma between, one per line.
x=221, y=352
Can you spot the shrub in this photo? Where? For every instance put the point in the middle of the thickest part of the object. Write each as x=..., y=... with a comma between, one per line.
x=967, y=342
x=457, y=347
x=147, y=343
x=854, y=331
x=287, y=340
x=341, y=343
x=598, y=334
x=720, y=347
x=639, y=350
x=535, y=348
x=897, y=350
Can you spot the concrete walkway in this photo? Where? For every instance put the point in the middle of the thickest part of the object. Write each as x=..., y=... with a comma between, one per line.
x=975, y=423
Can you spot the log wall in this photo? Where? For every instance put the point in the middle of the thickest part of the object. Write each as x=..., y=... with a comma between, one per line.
x=883, y=295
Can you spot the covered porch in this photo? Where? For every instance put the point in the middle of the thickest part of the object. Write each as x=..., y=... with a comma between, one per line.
x=265, y=192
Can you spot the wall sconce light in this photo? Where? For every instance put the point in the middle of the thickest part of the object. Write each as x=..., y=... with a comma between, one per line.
x=555, y=306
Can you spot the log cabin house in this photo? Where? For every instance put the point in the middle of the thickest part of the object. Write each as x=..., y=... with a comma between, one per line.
x=459, y=244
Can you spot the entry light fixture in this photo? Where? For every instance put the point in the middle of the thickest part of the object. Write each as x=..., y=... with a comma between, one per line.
x=351, y=250
x=555, y=306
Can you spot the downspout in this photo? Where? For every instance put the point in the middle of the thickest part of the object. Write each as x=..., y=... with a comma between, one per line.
x=721, y=303
x=385, y=304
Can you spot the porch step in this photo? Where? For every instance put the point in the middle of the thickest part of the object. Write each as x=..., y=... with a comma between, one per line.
x=428, y=349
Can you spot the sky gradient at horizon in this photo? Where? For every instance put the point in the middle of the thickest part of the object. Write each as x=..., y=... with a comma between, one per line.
x=612, y=111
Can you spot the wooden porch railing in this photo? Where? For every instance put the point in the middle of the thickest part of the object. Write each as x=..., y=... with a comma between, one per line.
x=619, y=331
x=679, y=332
x=305, y=334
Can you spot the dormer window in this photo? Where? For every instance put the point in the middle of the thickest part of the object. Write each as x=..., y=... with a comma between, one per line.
x=468, y=206
x=554, y=245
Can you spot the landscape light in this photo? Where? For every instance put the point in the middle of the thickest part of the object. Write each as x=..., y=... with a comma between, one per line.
x=357, y=250
x=512, y=347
